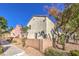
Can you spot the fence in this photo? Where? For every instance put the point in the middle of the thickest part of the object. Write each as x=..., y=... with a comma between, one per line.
x=39, y=44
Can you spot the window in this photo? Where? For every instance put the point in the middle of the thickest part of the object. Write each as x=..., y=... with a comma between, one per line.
x=44, y=20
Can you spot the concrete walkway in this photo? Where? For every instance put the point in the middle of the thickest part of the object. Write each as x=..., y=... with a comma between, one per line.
x=11, y=50
x=14, y=51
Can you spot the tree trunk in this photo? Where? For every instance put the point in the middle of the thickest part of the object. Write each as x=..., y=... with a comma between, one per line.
x=67, y=39
x=63, y=46
x=54, y=43
x=57, y=37
x=23, y=42
x=76, y=41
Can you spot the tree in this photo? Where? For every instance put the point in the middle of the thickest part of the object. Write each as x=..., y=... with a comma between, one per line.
x=42, y=33
x=67, y=21
x=72, y=16
x=23, y=42
x=54, y=40
x=25, y=29
x=3, y=24
x=1, y=49
x=62, y=39
x=10, y=29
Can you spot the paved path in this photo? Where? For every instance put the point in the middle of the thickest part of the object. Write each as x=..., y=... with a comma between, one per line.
x=14, y=51
x=4, y=42
x=11, y=50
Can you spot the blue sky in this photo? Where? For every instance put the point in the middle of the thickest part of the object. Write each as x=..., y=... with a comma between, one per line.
x=21, y=13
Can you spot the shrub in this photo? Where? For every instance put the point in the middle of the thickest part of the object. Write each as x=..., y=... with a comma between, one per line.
x=74, y=52
x=9, y=40
x=14, y=41
x=51, y=52
x=1, y=50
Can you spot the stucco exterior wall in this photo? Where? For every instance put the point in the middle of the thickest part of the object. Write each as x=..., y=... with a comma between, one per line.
x=38, y=24
x=40, y=45
x=50, y=26
x=33, y=43
x=46, y=44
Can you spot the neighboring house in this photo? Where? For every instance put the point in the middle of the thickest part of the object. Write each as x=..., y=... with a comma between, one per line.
x=17, y=31
x=39, y=24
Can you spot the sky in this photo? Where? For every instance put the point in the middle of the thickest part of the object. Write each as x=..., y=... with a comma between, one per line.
x=21, y=13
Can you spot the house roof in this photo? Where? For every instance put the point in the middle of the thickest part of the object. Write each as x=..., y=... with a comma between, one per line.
x=40, y=16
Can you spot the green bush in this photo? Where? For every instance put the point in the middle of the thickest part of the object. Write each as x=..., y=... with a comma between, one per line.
x=1, y=50
x=8, y=40
x=14, y=41
x=51, y=52
x=62, y=39
x=74, y=52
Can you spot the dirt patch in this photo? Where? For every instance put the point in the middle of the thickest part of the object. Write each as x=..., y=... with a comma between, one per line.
x=33, y=52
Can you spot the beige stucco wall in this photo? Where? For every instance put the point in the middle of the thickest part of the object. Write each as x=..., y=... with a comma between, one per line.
x=33, y=43
x=50, y=26
x=37, y=25
x=40, y=45
x=46, y=44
